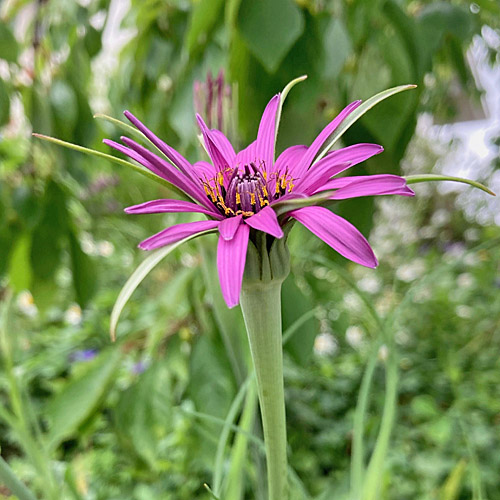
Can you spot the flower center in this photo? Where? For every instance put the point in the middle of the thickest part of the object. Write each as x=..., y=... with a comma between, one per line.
x=247, y=192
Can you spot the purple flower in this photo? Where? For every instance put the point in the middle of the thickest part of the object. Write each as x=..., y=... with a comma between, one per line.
x=241, y=192
x=83, y=355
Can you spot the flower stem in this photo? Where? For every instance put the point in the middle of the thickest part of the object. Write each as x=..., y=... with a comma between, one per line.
x=261, y=306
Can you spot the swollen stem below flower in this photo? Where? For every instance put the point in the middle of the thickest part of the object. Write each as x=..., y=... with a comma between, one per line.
x=261, y=306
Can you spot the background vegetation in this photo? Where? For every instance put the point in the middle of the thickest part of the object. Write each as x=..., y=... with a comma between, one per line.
x=81, y=418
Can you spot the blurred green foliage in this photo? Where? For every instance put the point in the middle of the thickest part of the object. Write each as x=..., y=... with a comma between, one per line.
x=141, y=419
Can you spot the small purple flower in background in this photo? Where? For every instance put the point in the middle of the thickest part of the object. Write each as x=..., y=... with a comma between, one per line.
x=240, y=192
x=83, y=355
x=139, y=367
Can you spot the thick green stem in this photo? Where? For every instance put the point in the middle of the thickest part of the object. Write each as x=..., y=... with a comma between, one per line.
x=261, y=306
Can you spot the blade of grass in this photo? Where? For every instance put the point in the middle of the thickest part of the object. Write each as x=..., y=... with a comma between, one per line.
x=294, y=327
x=105, y=156
x=224, y=435
x=235, y=476
x=283, y=96
x=414, y=179
x=358, y=113
x=122, y=125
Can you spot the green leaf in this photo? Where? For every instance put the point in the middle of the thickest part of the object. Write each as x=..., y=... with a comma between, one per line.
x=337, y=46
x=20, y=272
x=295, y=306
x=358, y=113
x=9, y=48
x=49, y=233
x=143, y=414
x=414, y=179
x=269, y=29
x=65, y=108
x=204, y=16
x=144, y=268
x=80, y=397
x=98, y=154
x=83, y=271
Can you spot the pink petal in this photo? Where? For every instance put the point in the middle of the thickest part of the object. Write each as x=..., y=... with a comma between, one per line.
x=246, y=156
x=266, y=221
x=266, y=136
x=175, y=157
x=176, y=233
x=228, y=227
x=216, y=150
x=224, y=145
x=289, y=157
x=335, y=231
x=368, y=185
x=313, y=150
x=344, y=158
x=204, y=170
x=169, y=172
x=320, y=176
x=231, y=257
x=170, y=206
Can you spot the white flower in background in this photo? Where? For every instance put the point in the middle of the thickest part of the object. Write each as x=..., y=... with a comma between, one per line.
x=465, y=280
x=73, y=315
x=440, y=217
x=105, y=248
x=411, y=271
x=354, y=336
x=370, y=284
x=26, y=304
x=464, y=312
x=383, y=352
x=325, y=344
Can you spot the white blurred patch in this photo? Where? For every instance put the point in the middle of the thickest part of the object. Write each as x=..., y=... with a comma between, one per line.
x=355, y=336
x=73, y=315
x=325, y=345
x=26, y=304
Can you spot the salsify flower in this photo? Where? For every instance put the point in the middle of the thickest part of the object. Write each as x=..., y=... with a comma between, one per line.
x=244, y=193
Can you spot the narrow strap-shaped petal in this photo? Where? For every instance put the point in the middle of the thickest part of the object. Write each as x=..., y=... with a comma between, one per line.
x=231, y=258
x=367, y=185
x=246, y=156
x=266, y=220
x=204, y=170
x=266, y=135
x=176, y=233
x=319, y=177
x=174, y=156
x=180, y=180
x=216, y=151
x=313, y=150
x=344, y=158
x=228, y=227
x=335, y=231
x=170, y=206
x=288, y=158
x=224, y=145
x=373, y=185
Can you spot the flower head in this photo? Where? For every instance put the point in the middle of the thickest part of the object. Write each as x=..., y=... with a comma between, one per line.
x=249, y=192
